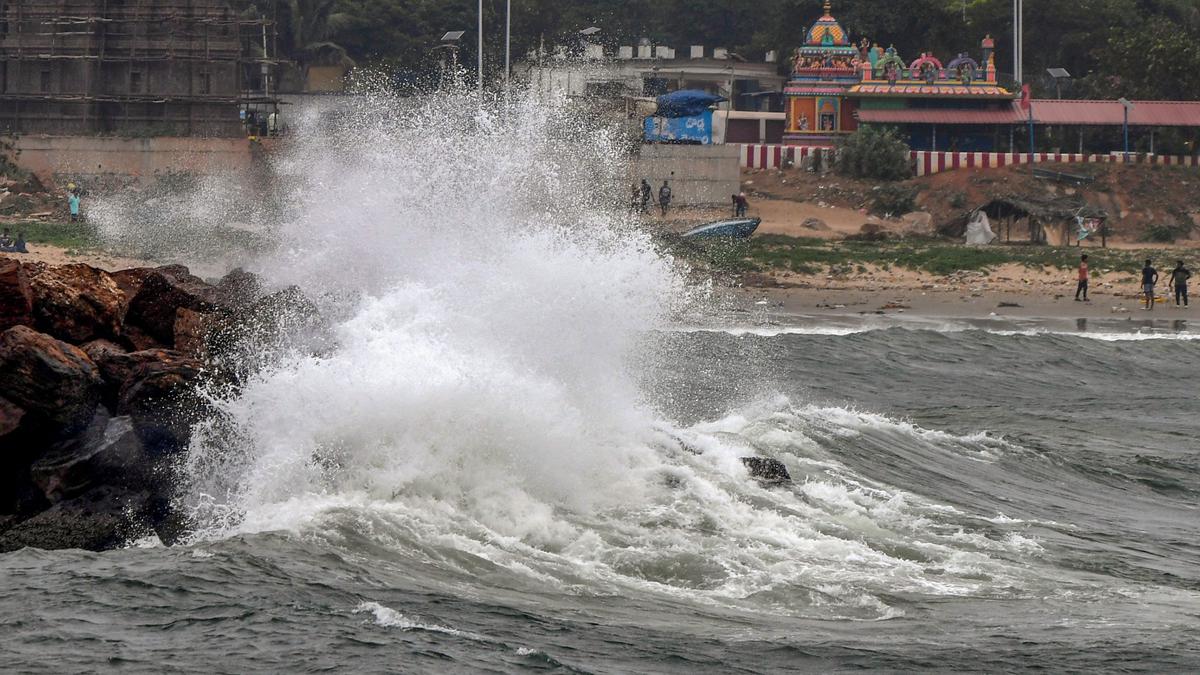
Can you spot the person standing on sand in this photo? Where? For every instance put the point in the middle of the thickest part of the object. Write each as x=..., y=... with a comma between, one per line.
x=1179, y=282
x=741, y=205
x=635, y=198
x=1082, y=287
x=73, y=204
x=646, y=190
x=1149, y=278
x=664, y=197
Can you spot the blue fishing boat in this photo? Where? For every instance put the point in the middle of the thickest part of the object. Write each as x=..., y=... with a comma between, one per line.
x=734, y=228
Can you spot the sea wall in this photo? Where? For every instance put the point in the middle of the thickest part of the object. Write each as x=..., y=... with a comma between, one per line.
x=699, y=174
x=63, y=159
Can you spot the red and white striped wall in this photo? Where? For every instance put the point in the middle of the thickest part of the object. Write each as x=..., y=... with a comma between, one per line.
x=928, y=163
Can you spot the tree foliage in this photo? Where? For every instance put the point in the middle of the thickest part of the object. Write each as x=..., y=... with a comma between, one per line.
x=1111, y=47
x=875, y=153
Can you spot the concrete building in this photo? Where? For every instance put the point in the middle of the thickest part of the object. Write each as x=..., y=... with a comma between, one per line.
x=132, y=67
x=652, y=70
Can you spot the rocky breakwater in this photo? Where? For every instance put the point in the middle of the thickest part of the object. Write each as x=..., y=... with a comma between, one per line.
x=102, y=378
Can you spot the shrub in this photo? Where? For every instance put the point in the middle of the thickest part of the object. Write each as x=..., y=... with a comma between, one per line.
x=1165, y=233
x=875, y=153
x=894, y=200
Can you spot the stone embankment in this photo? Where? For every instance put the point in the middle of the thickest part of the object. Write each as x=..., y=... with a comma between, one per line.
x=102, y=379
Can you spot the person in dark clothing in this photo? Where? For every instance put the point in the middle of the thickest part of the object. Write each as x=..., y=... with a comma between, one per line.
x=1149, y=279
x=734, y=199
x=1179, y=282
x=635, y=198
x=740, y=205
x=664, y=197
x=1082, y=287
x=646, y=192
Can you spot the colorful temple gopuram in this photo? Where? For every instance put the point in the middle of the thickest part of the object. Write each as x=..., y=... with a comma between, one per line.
x=837, y=84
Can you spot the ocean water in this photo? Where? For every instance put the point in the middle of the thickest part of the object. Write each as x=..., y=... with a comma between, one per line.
x=519, y=449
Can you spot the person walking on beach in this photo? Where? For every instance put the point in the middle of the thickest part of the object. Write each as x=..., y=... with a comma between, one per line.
x=635, y=198
x=646, y=191
x=664, y=197
x=1082, y=287
x=1179, y=283
x=1149, y=279
x=740, y=205
x=73, y=205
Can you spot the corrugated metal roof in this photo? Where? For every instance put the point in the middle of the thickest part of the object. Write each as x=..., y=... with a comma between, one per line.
x=1112, y=113
x=940, y=116
x=1047, y=111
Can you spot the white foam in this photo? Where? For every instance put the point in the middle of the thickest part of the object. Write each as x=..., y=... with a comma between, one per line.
x=389, y=618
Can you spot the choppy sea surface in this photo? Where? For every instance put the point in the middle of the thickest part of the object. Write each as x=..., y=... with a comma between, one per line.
x=964, y=499
x=520, y=449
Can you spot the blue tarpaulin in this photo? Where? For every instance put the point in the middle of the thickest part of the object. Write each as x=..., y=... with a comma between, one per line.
x=686, y=103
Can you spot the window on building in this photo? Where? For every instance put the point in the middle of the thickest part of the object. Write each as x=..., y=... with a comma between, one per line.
x=46, y=81
x=135, y=82
x=205, y=84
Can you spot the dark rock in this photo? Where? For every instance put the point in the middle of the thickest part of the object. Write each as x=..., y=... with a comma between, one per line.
x=191, y=331
x=108, y=453
x=48, y=378
x=767, y=469
x=10, y=417
x=163, y=291
x=239, y=289
x=116, y=366
x=163, y=399
x=286, y=315
x=100, y=519
x=77, y=303
x=16, y=297
x=130, y=280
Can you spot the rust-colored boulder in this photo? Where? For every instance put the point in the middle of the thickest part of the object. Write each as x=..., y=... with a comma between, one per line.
x=48, y=378
x=191, y=331
x=77, y=303
x=162, y=293
x=116, y=365
x=163, y=399
x=16, y=298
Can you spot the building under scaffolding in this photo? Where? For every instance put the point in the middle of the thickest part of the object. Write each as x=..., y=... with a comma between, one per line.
x=133, y=67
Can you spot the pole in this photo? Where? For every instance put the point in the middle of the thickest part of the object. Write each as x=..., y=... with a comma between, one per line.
x=480, y=85
x=1032, y=148
x=1126, y=134
x=507, y=42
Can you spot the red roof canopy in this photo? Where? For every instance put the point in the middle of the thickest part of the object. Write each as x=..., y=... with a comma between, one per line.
x=1048, y=111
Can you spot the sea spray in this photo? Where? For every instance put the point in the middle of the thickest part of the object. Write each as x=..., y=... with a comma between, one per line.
x=489, y=297
x=479, y=411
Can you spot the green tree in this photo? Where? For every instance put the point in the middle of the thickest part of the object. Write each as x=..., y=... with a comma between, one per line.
x=874, y=153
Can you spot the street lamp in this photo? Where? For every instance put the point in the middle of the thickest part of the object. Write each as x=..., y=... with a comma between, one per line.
x=1128, y=106
x=450, y=42
x=1059, y=74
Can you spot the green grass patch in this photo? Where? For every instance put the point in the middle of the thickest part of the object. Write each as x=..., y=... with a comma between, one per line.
x=774, y=253
x=78, y=236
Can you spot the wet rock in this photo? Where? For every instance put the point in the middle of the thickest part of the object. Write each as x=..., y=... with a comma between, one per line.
x=77, y=303
x=163, y=291
x=162, y=399
x=16, y=297
x=239, y=289
x=108, y=453
x=130, y=280
x=191, y=331
x=767, y=469
x=815, y=224
x=98, y=520
x=117, y=366
x=48, y=378
x=10, y=417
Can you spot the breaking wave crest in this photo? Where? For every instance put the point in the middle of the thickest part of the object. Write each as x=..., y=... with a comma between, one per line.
x=480, y=410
